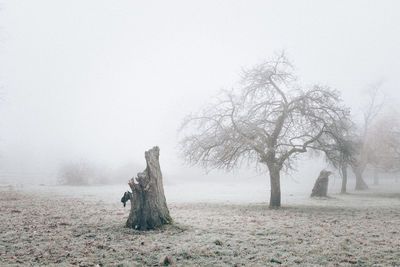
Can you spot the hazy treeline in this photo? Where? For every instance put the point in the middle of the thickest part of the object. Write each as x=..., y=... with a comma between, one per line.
x=86, y=173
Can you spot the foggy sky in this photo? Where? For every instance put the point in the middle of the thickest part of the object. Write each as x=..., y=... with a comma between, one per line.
x=106, y=80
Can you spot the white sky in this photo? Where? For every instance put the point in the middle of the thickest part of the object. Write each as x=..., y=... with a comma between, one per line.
x=106, y=80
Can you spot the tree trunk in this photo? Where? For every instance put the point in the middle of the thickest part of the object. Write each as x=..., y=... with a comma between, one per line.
x=275, y=180
x=376, y=177
x=321, y=185
x=360, y=183
x=148, y=205
x=343, y=190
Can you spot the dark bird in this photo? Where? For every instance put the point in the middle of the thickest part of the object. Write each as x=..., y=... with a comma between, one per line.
x=127, y=196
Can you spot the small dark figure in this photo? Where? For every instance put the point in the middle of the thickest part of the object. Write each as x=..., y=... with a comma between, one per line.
x=127, y=196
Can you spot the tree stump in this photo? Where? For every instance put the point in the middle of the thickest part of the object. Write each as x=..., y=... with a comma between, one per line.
x=148, y=205
x=321, y=184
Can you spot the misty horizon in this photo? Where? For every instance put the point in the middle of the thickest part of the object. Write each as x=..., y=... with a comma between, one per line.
x=103, y=83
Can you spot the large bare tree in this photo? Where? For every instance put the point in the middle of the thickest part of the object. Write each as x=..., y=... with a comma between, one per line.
x=269, y=120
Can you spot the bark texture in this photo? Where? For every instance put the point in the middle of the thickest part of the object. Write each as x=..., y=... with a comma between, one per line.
x=321, y=184
x=275, y=198
x=343, y=190
x=148, y=205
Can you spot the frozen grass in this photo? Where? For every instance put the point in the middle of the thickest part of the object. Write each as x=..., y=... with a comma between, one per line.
x=84, y=226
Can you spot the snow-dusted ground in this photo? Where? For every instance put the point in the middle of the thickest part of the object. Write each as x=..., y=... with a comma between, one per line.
x=217, y=225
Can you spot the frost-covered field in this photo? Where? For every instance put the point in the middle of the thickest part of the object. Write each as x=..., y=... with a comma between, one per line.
x=216, y=225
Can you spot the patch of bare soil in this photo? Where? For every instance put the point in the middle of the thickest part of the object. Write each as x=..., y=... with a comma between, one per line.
x=45, y=229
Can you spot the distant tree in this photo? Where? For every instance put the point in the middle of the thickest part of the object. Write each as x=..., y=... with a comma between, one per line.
x=340, y=148
x=384, y=142
x=77, y=173
x=270, y=120
x=364, y=151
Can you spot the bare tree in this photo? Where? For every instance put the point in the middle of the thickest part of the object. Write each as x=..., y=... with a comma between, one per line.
x=384, y=143
x=340, y=148
x=371, y=111
x=270, y=120
x=75, y=173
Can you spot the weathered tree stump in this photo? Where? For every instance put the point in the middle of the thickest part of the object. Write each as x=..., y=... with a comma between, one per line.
x=321, y=184
x=148, y=205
